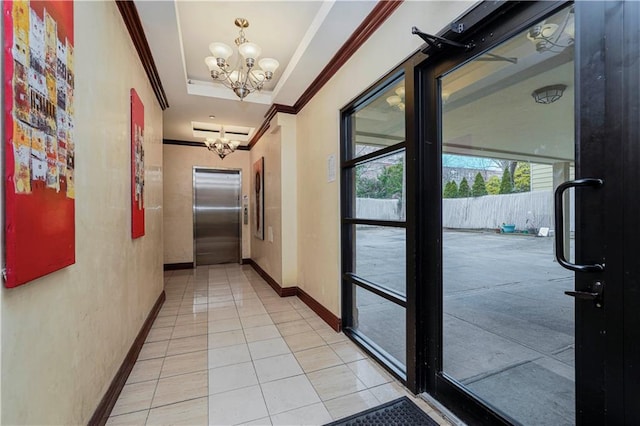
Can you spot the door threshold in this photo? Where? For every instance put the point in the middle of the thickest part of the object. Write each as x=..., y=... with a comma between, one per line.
x=444, y=411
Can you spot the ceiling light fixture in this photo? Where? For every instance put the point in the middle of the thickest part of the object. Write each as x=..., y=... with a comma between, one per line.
x=397, y=100
x=549, y=37
x=245, y=77
x=548, y=94
x=221, y=146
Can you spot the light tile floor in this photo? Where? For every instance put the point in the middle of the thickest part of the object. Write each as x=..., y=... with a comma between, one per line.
x=226, y=349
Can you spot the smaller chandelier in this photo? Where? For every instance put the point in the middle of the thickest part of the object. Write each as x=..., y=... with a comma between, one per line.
x=245, y=77
x=553, y=37
x=548, y=94
x=397, y=100
x=221, y=146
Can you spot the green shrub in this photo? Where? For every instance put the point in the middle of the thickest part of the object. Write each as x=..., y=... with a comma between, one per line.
x=505, y=184
x=450, y=190
x=463, y=190
x=479, y=188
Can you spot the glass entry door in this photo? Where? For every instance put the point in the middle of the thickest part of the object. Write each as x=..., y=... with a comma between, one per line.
x=507, y=143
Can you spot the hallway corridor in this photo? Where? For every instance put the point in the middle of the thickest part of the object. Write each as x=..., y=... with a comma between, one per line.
x=226, y=349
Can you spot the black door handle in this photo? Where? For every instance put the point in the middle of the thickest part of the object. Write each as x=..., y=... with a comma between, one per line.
x=596, y=294
x=559, y=232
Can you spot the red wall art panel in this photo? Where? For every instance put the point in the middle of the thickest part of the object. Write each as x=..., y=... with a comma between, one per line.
x=137, y=166
x=39, y=140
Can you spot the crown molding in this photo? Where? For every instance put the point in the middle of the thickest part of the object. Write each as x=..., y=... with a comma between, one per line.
x=136, y=32
x=381, y=11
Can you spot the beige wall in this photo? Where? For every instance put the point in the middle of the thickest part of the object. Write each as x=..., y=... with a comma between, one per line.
x=178, y=196
x=289, y=190
x=268, y=254
x=318, y=128
x=65, y=335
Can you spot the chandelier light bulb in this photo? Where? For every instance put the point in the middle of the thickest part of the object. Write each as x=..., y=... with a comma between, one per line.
x=400, y=91
x=234, y=77
x=269, y=64
x=212, y=64
x=220, y=50
x=249, y=50
x=258, y=75
x=394, y=100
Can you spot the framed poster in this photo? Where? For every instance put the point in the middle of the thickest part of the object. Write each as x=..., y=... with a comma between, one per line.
x=39, y=140
x=258, y=198
x=137, y=166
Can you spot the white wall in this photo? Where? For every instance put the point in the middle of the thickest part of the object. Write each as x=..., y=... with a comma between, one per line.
x=65, y=335
x=178, y=196
x=318, y=130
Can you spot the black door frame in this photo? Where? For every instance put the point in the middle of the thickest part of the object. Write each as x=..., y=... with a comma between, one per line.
x=608, y=123
x=607, y=114
x=487, y=33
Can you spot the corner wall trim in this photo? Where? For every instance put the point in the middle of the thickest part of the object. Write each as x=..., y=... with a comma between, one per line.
x=103, y=410
x=178, y=266
x=282, y=292
x=136, y=32
x=271, y=112
x=326, y=315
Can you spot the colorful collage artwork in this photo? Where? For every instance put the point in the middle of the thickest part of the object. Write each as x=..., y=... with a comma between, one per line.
x=137, y=166
x=39, y=144
x=43, y=143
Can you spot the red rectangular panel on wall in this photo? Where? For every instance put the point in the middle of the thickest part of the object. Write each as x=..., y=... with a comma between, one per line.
x=39, y=143
x=137, y=166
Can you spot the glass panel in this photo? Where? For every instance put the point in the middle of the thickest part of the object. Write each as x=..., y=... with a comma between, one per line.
x=380, y=256
x=383, y=322
x=508, y=141
x=380, y=123
x=381, y=188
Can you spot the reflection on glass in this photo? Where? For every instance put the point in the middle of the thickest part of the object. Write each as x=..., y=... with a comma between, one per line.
x=380, y=256
x=380, y=123
x=381, y=321
x=380, y=188
x=508, y=140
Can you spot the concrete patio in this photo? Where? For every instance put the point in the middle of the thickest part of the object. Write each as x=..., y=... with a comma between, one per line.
x=508, y=327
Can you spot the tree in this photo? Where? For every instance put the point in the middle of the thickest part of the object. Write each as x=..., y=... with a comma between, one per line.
x=506, y=164
x=479, y=188
x=450, y=190
x=522, y=177
x=493, y=185
x=506, y=187
x=391, y=180
x=463, y=190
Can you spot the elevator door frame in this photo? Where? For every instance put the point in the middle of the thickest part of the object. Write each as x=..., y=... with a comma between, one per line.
x=195, y=169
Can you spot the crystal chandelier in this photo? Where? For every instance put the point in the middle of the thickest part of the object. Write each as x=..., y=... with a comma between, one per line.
x=245, y=77
x=221, y=146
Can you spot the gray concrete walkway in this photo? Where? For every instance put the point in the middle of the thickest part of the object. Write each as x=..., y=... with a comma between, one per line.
x=508, y=327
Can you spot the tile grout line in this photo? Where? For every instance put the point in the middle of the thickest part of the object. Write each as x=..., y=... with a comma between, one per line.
x=163, y=360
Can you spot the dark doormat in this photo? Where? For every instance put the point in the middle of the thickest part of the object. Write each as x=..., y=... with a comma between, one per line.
x=401, y=411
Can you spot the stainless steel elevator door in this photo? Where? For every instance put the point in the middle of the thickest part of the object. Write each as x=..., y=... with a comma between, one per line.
x=216, y=216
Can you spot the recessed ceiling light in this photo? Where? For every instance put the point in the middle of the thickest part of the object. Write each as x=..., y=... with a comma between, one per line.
x=212, y=116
